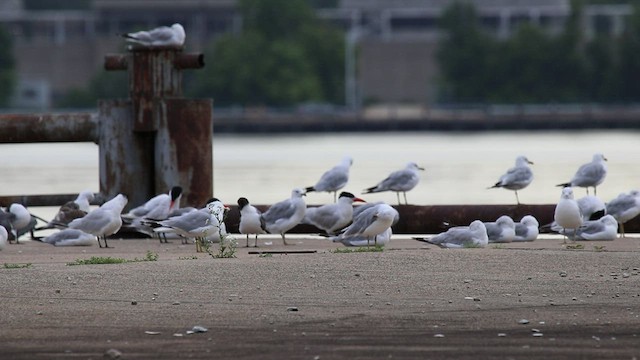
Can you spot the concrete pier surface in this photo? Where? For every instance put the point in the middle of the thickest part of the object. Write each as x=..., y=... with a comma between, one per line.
x=544, y=299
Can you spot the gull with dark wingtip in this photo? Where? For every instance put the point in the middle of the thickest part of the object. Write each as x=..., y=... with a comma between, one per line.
x=474, y=235
x=590, y=174
x=285, y=215
x=399, y=181
x=517, y=177
x=103, y=221
x=332, y=217
x=370, y=223
x=334, y=179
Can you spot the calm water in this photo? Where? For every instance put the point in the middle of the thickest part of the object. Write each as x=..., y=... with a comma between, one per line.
x=264, y=168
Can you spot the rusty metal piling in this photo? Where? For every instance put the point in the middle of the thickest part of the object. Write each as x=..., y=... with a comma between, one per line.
x=148, y=143
x=156, y=139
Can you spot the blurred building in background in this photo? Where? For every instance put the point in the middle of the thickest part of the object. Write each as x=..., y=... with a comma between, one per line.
x=58, y=50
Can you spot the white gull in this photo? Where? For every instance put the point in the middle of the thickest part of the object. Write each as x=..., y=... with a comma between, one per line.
x=517, y=177
x=590, y=174
x=399, y=181
x=173, y=36
x=250, y=220
x=334, y=179
x=285, y=215
x=332, y=217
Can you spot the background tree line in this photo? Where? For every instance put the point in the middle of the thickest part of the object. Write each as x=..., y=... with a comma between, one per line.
x=534, y=66
x=285, y=55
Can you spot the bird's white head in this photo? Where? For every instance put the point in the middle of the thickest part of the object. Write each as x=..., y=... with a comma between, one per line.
x=414, y=166
x=298, y=192
x=477, y=225
x=567, y=193
x=87, y=194
x=529, y=221
x=523, y=160
x=599, y=157
x=179, y=31
x=505, y=220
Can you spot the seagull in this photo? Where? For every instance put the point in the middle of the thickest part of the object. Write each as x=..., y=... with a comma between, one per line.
x=334, y=179
x=605, y=228
x=158, y=207
x=398, y=181
x=285, y=215
x=84, y=200
x=103, y=221
x=381, y=240
x=70, y=237
x=19, y=220
x=173, y=36
x=475, y=235
x=567, y=213
x=203, y=224
x=591, y=207
x=624, y=207
x=368, y=224
x=5, y=220
x=527, y=229
x=517, y=177
x=67, y=213
x=4, y=237
x=332, y=217
x=502, y=230
x=590, y=174
x=250, y=220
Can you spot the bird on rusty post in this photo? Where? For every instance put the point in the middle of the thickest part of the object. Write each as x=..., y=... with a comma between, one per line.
x=160, y=36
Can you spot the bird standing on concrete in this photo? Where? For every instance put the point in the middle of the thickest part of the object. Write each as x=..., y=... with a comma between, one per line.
x=206, y=224
x=369, y=224
x=250, y=220
x=16, y=221
x=285, y=215
x=103, y=221
x=158, y=207
x=567, y=213
x=332, y=217
x=517, y=177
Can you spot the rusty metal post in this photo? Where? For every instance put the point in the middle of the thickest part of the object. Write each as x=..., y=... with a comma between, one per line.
x=28, y=128
x=168, y=138
x=124, y=157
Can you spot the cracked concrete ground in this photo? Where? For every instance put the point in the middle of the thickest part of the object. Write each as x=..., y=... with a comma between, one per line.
x=539, y=300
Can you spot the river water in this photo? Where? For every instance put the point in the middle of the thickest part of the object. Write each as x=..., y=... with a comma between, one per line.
x=264, y=168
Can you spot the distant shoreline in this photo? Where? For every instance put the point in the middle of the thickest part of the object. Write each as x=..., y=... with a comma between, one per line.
x=493, y=118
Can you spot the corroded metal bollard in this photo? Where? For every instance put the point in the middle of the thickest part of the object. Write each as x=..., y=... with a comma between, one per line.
x=156, y=139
